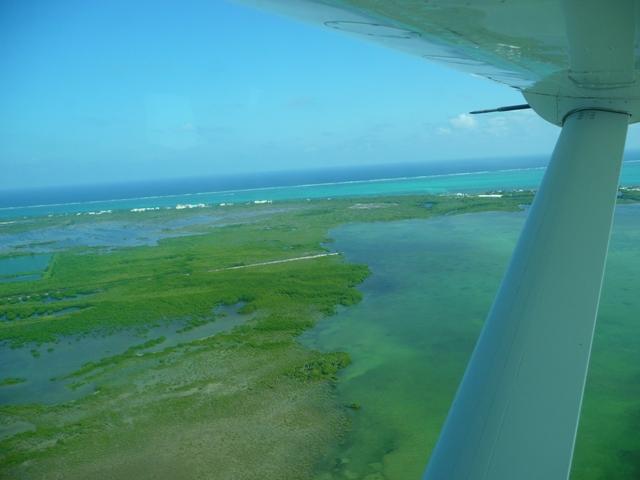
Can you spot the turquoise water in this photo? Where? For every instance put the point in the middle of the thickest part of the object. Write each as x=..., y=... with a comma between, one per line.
x=431, y=286
x=435, y=184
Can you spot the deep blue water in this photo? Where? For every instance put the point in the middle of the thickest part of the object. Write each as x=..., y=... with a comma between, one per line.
x=86, y=193
x=396, y=179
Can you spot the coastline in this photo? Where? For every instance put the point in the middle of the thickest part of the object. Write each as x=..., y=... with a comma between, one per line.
x=438, y=184
x=259, y=359
x=255, y=384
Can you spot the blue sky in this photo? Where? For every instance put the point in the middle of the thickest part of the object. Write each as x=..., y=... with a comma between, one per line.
x=95, y=91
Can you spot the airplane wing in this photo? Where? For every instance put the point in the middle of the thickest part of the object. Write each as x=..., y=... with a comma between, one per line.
x=515, y=415
x=554, y=51
x=515, y=43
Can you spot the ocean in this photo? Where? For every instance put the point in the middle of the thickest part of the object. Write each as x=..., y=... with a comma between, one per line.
x=396, y=179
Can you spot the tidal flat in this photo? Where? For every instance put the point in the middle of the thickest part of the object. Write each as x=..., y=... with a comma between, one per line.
x=260, y=399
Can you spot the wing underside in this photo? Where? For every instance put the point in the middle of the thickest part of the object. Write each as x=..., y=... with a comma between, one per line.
x=524, y=44
x=516, y=43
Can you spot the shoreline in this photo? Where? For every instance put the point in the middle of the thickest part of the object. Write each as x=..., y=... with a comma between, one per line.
x=276, y=187
x=254, y=378
x=439, y=184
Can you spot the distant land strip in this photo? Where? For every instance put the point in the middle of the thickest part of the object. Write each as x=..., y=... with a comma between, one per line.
x=273, y=262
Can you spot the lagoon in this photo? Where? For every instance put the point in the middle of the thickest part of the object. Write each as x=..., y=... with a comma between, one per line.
x=410, y=338
x=23, y=267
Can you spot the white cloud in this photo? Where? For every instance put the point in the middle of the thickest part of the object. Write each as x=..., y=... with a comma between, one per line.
x=464, y=120
x=494, y=125
x=498, y=126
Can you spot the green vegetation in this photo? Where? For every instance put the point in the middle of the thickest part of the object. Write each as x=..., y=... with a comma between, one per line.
x=233, y=403
x=629, y=195
x=114, y=360
x=175, y=279
x=244, y=404
x=11, y=381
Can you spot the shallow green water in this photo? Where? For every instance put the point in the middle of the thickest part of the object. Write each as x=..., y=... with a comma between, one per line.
x=431, y=286
x=23, y=267
x=44, y=367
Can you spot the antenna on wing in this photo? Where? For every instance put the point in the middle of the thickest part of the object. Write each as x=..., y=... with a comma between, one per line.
x=509, y=108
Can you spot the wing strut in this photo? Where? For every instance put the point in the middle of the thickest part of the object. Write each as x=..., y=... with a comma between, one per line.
x=515, y=414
